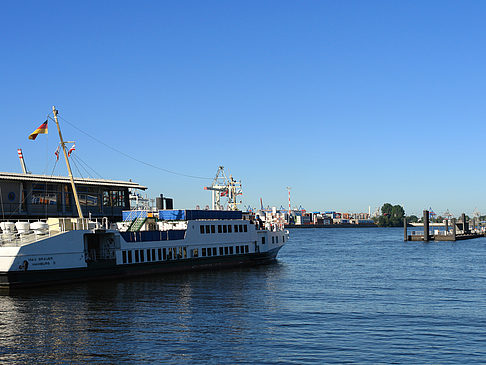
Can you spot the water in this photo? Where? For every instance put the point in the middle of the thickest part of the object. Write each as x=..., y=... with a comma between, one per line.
x=334, y=295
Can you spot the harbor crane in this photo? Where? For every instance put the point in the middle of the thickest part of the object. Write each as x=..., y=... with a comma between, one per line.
x=447, y=214
x=223, y=186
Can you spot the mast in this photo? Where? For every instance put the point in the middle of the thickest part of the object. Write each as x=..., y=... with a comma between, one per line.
x=75, y=193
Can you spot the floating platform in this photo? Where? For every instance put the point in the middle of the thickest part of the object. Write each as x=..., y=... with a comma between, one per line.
x=443, y=237
x=459, y=231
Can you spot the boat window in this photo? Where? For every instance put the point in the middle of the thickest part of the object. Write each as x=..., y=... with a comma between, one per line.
x=221, y=251
x=207, y=228
x=153, y=255
x=213, y=229
x=194, y=253
x=263, y=240
x=215, y=251
x=245, y=228
x=185, y=252
x=237, y=249
x=246, y=249
x=129, y=257
x=231, y=250
x=142, y=256
x=241, y=228
x=44, y=194
x=203, y=251
x=276, y=239
x=124, y=257
x=160, y=254
x=283, y=239
x=273, y=239
x=226, y=250
x=148, y=255
x=201, y=228
x=91, y=200
x=236, y=228
x=179, y=254
x=165, y=254
x=242, y=249
x=229, y=228
x=225, y=229
x=137, y=258
x=114, y=198
x=169, y=254
x=220, y=229
x=209, y=251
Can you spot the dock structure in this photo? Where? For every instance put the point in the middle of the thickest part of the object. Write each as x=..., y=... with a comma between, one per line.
x=456, y=231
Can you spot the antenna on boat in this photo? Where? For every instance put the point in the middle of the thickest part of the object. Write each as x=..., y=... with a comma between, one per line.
x=76, y=198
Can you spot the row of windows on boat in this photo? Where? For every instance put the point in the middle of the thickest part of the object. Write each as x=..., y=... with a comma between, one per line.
x=177, y=253
x=223, y=228
x=274, y=239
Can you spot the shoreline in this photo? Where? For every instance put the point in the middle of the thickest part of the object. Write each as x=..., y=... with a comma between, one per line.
x=344, y=225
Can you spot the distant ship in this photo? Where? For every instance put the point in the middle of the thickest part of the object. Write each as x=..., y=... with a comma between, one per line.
x=145, y=241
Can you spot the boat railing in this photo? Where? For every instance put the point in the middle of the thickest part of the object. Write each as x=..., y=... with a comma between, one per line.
x=12, y=236
x=16, y=239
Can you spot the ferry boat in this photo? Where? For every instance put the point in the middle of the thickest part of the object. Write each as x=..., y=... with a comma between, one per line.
x=59, y=250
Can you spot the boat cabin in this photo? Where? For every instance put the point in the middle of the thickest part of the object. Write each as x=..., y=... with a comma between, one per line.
x=30, y=196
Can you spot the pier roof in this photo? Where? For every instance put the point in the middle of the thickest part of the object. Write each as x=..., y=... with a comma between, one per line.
x=63, y=179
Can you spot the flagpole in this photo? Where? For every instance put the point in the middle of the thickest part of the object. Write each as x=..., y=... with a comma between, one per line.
x=78, y=206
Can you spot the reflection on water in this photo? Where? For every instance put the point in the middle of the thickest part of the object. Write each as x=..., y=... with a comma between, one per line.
x=156, y=318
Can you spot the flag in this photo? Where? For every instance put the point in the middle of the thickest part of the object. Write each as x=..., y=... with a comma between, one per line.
x=57, y=153
x=71, y=150
x=41, y=130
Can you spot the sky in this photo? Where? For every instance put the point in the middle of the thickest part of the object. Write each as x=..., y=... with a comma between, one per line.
x=352, y=104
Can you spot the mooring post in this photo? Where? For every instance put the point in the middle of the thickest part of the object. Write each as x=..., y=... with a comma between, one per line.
x=446, y=221
x=464, y=223
x=426, y=225
x=405, y=235
x=454, y=229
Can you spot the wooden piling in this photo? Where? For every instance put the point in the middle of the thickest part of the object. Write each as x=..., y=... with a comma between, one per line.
x=405, y=234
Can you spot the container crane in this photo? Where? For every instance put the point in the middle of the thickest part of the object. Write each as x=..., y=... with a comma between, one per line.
x=223, y=186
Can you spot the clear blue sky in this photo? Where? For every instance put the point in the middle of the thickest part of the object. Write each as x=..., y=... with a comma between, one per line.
x=351, y=103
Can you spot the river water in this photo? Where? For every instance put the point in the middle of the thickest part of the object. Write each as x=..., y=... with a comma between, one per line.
x=333, y=296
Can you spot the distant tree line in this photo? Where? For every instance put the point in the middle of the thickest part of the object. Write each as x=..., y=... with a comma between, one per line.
x=391, y=216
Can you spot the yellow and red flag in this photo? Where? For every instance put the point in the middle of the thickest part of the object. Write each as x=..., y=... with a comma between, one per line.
x=41, y=130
